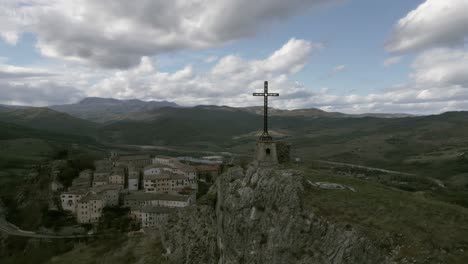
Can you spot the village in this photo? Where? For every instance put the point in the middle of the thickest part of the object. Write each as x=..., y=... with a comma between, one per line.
x=150, y=187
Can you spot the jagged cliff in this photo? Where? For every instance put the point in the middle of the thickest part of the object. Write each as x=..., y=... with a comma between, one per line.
x=258, y=216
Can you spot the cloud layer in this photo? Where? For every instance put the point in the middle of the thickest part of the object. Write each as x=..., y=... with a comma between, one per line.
x=119, y=38
x=435, y=23
x=117, y=33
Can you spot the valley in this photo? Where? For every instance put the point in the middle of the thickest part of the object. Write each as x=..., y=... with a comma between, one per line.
x=408, y=172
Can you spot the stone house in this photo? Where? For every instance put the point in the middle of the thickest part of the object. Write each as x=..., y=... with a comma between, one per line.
x=185, y=169
x=156, y=183
x=151, y=216
x=156, y=199
x=117, y=176
x=80, y=184
x=166, y=183
x=69, y=199
x=101, y=180
x=109, y=193
x=89, y=209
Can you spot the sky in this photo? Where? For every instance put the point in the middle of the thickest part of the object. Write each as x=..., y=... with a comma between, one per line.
x=352, y=56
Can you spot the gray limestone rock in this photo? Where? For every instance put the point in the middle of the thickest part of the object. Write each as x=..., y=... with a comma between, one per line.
x=258, y=217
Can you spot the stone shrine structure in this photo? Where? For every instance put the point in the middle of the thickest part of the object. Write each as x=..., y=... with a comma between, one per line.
x=266, y=152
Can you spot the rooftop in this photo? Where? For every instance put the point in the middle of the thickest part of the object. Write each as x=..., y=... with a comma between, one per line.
x=75, y=192
x=101, y=178
x=106, y=187
x=154, y=209
x=163, y=175
x=90, y=197
x=142, y=196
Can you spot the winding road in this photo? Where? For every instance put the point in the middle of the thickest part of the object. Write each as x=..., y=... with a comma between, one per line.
x=12, y=230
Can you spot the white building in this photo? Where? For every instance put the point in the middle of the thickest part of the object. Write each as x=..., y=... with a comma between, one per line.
x=162, y=160
x=133, y=182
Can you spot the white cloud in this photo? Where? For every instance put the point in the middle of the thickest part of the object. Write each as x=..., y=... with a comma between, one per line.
x=433, y=23
x=442, y=67
x=230, y=81
x=117, y=33
x=391, y=61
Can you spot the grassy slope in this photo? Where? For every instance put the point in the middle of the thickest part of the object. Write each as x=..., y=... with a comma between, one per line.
x=118, y=250
x=428, y=230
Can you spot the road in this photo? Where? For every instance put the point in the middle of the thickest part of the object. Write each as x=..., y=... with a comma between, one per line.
x=12, y=230
x=363, y=167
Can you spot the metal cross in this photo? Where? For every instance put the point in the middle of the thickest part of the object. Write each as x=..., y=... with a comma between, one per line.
x=265, y=136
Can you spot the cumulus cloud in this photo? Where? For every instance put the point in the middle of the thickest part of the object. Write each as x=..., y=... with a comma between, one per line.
x=117, y=33
x=433, y=23
x=230, y=81
x=442, y=66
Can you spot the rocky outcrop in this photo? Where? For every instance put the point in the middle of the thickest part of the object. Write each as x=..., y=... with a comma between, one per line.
x=258, y=217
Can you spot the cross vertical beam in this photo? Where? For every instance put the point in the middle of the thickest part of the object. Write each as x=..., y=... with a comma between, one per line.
x=265, y=109
x=265, y=136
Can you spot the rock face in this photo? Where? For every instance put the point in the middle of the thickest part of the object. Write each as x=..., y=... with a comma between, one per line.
x=258, y=217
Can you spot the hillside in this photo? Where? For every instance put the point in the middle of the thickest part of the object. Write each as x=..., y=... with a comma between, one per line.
x=104, y=110
x=46, y=119
x=181, y=126
x=311, y=112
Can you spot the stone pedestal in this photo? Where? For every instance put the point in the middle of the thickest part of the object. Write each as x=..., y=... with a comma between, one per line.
x=266, y=153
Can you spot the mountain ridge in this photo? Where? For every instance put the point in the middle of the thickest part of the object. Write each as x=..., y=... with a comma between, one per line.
x=106, y=110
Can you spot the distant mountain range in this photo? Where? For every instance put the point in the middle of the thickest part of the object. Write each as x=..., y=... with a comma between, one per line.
x=220, y=127
x=315, y=112
x=104, y=110
x=108, y=110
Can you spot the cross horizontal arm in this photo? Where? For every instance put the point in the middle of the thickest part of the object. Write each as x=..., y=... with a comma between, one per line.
x=258, y=94
x=273, y=94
